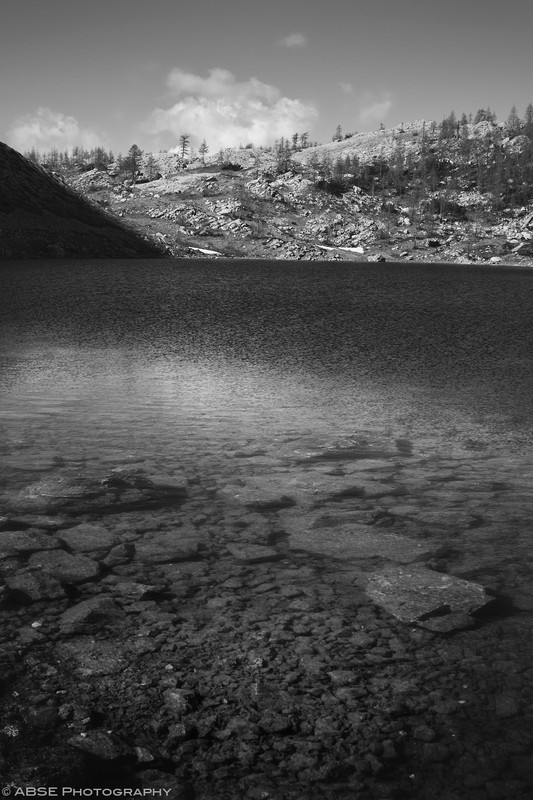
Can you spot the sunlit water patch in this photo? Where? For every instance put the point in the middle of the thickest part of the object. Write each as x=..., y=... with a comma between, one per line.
x=222, y=368
x=274, y=487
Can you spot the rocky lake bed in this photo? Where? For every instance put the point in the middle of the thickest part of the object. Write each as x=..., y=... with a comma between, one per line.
x=265, y=530
x=309, y=618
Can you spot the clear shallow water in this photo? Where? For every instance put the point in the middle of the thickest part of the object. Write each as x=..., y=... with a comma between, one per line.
x=187, y=363
x=233, y=373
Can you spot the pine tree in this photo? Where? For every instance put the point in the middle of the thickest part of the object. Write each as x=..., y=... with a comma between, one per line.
x=184, y=145
x=100, y=158
x=528, y=121
x=150, y=167
x=512, y=126
x=131, y=164
x=203, y=149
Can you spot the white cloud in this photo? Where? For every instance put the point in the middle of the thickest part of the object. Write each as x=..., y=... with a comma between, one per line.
x=294, y=40
x=227, y=112
x=45, y=129
x=347, y=88
x=375, y=110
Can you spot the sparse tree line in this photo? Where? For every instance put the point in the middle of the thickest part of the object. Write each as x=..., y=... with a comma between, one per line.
x=82, y=159
x=448, y=158
x=131, y=165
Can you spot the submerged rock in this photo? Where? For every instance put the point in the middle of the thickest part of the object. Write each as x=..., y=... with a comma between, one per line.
x=89, y=613
x=259, y=495
x=87, y=538
x=416, y=594
x=128, y=478
x=28, y=541
x=33, y=521
x=307, y=487
x=64, y=567
x=252, y=553
x=160, y=548
x=35, y=585
x=75, y=492
x=349, y=448
x=360, y=541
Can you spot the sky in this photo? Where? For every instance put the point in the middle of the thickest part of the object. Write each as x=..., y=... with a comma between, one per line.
x=113, y=73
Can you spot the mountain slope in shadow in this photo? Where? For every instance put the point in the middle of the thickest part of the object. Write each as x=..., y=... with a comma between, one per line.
x=40, y=217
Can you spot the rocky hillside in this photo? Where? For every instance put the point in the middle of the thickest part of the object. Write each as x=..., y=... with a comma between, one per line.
x=412, y=192
x=250, y=203
x=41, y=217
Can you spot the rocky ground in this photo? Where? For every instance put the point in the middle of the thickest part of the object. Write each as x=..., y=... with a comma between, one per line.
x=205, y=210
x=322, y=619
x=210, y=213
x=237, y=204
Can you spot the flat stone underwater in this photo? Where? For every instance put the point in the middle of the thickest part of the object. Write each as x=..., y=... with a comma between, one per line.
x=267, y=530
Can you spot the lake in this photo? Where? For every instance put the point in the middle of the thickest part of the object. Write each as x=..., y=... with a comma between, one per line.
x=395, y=398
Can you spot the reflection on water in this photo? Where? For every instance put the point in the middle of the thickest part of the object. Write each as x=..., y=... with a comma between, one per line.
x=251, y=444
x=189, y=362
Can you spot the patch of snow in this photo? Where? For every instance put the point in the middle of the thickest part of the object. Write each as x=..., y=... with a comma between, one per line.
x=205, y=251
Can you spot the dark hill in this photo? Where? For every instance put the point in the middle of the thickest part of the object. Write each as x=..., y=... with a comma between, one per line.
x=40, y=217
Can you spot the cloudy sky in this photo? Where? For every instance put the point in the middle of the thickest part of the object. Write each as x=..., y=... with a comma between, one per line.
x=118, y=72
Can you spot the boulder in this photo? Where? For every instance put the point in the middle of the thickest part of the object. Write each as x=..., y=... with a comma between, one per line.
x=28, y=541
x=98, y=744
x=518, y=144
x=61, y=490
x=161, y=548
x=359, y=542
x=87, y=538
x=121, y=554
x=179, y=701
x=88, y=614
x=63, y=566
x=35, y=585
x=76, y=492
x=415, y=594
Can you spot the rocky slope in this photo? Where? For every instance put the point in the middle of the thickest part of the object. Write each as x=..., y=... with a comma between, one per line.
x=41, y=217
x=239, y=204
x=252, y=211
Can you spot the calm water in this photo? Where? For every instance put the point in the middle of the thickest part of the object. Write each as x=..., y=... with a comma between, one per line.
x=188, y=362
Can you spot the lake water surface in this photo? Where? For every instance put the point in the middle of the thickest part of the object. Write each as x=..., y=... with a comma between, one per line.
x=231, y=370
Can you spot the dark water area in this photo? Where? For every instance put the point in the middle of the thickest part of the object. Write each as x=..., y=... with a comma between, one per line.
x=270, y=378
x=454, y=336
